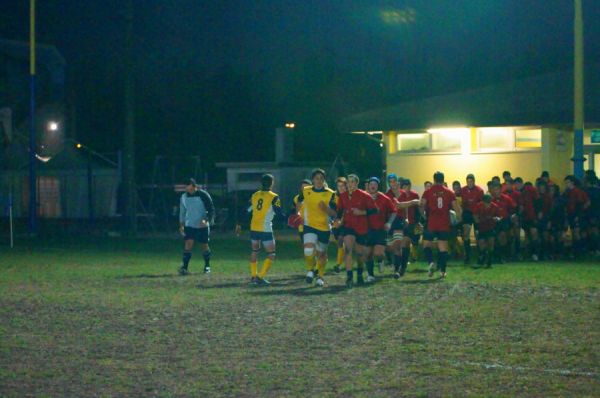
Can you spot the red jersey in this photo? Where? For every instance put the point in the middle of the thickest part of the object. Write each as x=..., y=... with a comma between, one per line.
x=506, y=205
x=386, y=207
x=402, y=197
x=360, y=200
x=506, y=187
x=411, y=212
x=485, y=216
x=439, y=202
x=576, y=199
x=547, y=202
x=529, y=196
x=471, y=196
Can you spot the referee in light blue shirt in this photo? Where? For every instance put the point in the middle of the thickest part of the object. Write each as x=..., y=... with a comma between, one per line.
x=196, y=213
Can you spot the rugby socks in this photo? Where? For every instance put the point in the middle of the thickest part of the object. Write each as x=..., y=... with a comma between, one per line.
x=442, y=260
x=388, y=257
x=405, y=254
x=397, y=262
x=413, y=252
x=321, y=267
x=349, y=275
x=253, y=269
x=467, y=246
x=186, y=259
x=265, y=268
x=340, y=256
x=206, y=256
x=310, y=262
x=370, y=267
x=428, y=255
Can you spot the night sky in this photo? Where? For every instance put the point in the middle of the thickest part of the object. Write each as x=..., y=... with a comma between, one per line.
x=214, y=78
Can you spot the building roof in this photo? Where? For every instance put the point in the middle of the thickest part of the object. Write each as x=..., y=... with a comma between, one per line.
x=540, y=100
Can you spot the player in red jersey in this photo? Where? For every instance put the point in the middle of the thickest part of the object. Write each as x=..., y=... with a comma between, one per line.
x=578, y=202
x=355, y=205
x=340, y=183
x=397, y=231
x=437, y=202
x=506, y=212
x=413, y=228
x=530, y=214
x=515, y=232
x=471, y=195
x=546, y=202
x=486, y=214
x=379, y=224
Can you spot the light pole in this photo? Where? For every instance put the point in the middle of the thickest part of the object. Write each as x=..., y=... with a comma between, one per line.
x=578, y=99
x=32, y=150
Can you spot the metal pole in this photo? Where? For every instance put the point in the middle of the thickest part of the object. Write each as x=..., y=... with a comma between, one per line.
x=129, y=141
x=10, y=215
x=32, y=150
x=578, y=158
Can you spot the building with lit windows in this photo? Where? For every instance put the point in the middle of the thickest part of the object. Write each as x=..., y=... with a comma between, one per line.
x=524, y=126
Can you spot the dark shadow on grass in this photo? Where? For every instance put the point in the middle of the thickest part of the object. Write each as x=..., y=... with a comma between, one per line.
x=417, y=271
x=150, y=276
x=300, y=291
x=422, y=281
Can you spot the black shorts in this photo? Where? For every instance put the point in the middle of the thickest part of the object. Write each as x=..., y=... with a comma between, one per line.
x=200, y=235
x=436, y=235
x=322, y=236
x=262, y=236
x=504, y=225
x=486, y=234
x=361, y=239
x=398, y=225
x=409, y=232
x=467, y=217
x=528, y=224
x=337, y=233
x=377, y=237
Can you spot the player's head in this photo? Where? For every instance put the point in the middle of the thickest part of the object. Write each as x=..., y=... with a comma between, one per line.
x=406, y=184
x=506, y=175
x=438, y=177
x=518, y=183
x=487, y=199
x=542, y=186
x=456, y=187
x=318, y=178
x=470, y=180
x=496, y=179
x=545, y=176
x=353, y=181
x=266, y=182
x=427, y=185
x=571, y=181
x=192, y=186
x=555, y=191
x=304, y=183
x=373, y=185
x=509, y=183
x=392, y=180
x=341, y=184
x=489, y=185
x=590, y=177
x=496, y=189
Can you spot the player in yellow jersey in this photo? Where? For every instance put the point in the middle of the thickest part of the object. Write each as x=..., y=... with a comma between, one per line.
x=318, y=205
x=264, y=206
x=298, y=206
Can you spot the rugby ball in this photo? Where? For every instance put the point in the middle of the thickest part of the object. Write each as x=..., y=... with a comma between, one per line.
x=294, y=221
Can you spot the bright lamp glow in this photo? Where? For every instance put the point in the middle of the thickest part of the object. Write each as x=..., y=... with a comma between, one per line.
x=290, y=125
x=52, y=126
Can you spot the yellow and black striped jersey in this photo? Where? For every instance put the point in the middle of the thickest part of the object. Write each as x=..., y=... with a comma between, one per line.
x=312, y=214
x=264, y=205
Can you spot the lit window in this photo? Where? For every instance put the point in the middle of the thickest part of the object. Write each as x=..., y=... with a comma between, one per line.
x=448, y=139
x=495, y=139
x=528, y=139
x=413, y=142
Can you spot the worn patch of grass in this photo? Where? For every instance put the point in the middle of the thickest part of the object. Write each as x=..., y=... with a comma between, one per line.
x=112, y=318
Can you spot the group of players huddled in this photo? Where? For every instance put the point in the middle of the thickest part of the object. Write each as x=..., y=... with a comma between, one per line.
x=372, y=228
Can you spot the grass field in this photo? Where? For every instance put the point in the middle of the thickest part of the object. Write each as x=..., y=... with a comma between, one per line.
x=112, y=318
